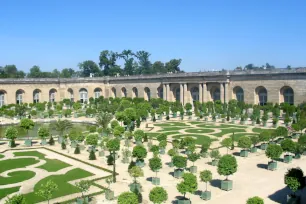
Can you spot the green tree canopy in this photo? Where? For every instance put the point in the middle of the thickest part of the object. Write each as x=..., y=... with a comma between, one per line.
x=92, y=139
x=227, y=165
x=139, y=152
x=127, y=198
x=274, y=151
x=158, y=195
x=11, y=133
x=179, y=161
x=43, y=132
x=244, y=142
x=255, y=200
x=188, y=185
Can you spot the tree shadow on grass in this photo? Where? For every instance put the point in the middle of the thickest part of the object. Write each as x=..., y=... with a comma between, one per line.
x=215, y=183
x=262, y=166
x=280, y=196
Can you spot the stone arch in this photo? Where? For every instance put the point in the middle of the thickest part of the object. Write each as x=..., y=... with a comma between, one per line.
x=71, y=94
x=2, y=97
x=114, y=92
x=52, y=95
x=215, y=93
x=36, y=95
x=238, y=93
x=176, y=93
x=261, y=95
x=160, y=92
x=195, y=93
x=287, y=95
x=147, y=95
x=123, y=92
x=97, y=92
x=135, y=92
x=83, y=95
x=19, y=96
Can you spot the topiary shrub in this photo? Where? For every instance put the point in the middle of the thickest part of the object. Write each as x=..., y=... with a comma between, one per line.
x=92, y=155
x=77, y=149
x=255, y=200
x=63, y=145
x=51, y=141
x=110, y=159
x=127, y=198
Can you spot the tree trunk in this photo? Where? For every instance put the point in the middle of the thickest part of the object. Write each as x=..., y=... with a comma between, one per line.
x=114, y=167
x=206, y=186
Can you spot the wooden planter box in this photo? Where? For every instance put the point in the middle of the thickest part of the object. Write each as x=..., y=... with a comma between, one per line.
x=205, y=155
x=134, y=186
x=155, y=181
x=162, y=151
x=178, y=173
x=263, y=146
x=244, y=153
x=82, y=200
x=60, y=139
x=73, y=144
x=272, y=165
x=193, y=169
x=28, y=142
x=214, y=162
x=206, y=195
x=43, y=142
x=288, y=158
x=109, y=195
x=101, y=154
x=140, y=163
x=183, y=202
x=170, y=164
x=253, y=149
x=297, y=156
x=226, y=185
x=138, y=142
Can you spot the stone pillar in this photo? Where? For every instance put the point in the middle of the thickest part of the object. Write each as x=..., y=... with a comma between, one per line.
x=204, y=96
x=186, y=99
x=200, y=93
x=221, y=92
x=165, y=92
x=182, y=93
x=226, y=92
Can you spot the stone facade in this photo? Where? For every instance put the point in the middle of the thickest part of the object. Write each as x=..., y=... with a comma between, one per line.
x=254, y=87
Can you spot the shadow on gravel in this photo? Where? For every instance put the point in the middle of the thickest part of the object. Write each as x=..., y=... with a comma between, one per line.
x=215, y=183
x=262, y=166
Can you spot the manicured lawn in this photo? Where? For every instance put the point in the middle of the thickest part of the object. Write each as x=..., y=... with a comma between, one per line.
x=171, y=129
x=229, y=130
x=7, y=191
x=155, y=134
x=221, y=126
x=16, y=177
x=170, y=124
x=64, y=188
x=238, y=135
x=9, y=164
x=259, y=130
x=51, y=165
x=202, y=130
x=200, y=139
x=1, y=156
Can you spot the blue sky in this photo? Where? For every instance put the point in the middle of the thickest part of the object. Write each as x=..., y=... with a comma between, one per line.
x=206, y=35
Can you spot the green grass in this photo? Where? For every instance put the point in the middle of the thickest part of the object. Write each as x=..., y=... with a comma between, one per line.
x=203, y=130
x=16, y=177
x=221, y=126
x=200, y=139
x=238, y=135
x=155, y=134
x=229, y=130
x=7, y=191
x=170, y=124
x=171, y=129
x=1, y=156
x=9, y=164
x=64, y=188
x=259, y=130
x=51, y=165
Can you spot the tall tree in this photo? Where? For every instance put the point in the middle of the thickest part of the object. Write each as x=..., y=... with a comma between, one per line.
x=88, y=67
x=108, y=61
x=129, y=65
x=35, y=72
x=173, y=65
x=145, y=66
x=158, y=67
x=67, y=73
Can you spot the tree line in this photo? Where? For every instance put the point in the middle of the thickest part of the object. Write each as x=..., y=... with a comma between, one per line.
x=134, y=63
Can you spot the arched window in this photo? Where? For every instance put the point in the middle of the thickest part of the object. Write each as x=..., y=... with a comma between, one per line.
x=147, y=94
x=195, y=93
x=262, y=96
x=178, y=94
x=71, y=95
x=124, y=93
x=135, y=92
x=288, y=95
x=114, y=92
x=160, y=92
x=238, y=91
x=83, y=95
x=19, y=96
x=98, y=92
x=2, y=98
x=52, y=95
x=216, y=94
x=36, y=94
